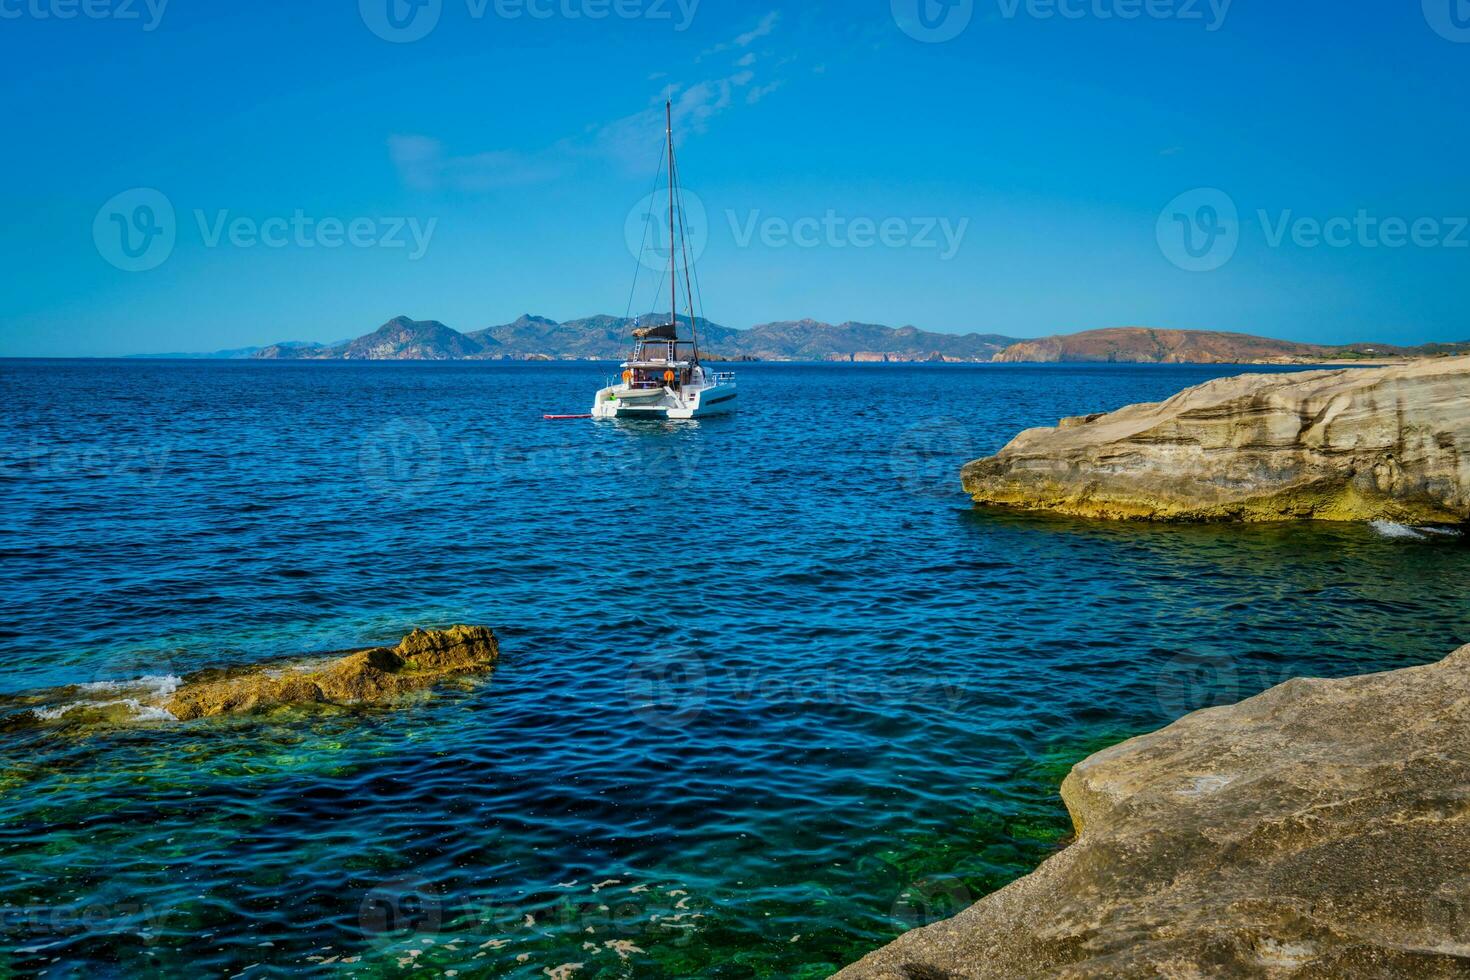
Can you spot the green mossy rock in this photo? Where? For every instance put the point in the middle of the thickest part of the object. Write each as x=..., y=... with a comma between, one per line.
x=423, y=659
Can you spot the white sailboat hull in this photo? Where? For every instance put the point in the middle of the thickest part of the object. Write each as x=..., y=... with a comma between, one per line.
x=690, y=403
x=663, y=379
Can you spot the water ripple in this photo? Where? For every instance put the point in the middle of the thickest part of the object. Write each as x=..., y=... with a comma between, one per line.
x=771, y=691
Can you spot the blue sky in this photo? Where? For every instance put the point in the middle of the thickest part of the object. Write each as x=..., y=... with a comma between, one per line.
x=1037, y=172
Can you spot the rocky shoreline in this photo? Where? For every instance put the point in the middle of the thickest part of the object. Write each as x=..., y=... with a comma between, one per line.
x=422, y=660
x=1367, y=444
x=1321, y=829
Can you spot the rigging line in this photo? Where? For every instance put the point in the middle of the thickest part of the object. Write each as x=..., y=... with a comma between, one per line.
x=657, y=290
x=647, y=223
x=689, y=269
x=698, y=288
x=684, y=248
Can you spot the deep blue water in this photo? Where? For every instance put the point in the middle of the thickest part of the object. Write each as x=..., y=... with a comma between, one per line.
x=771, y=690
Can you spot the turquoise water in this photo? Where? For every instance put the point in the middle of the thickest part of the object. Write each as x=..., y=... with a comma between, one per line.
x=771, y=691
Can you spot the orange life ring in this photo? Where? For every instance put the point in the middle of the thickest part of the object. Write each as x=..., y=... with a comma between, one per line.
x=627, y=377
x=668, y=377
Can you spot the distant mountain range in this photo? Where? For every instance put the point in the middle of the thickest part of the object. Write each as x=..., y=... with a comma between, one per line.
x=238, y=353
x=608, y=338
x=1143, y=345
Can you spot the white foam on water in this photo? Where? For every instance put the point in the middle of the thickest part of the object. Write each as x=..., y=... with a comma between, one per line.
x=139, y=710
x=1446, y=532
x=147, y=712
x=1389, y=529
x=159, y=685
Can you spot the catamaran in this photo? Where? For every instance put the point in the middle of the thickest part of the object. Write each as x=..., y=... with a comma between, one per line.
x=664, y=379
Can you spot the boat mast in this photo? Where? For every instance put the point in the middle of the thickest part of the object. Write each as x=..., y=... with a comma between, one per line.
x=688, y=273
x=673, y=242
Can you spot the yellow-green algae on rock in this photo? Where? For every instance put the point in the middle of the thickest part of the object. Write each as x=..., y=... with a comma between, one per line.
x=1318, y=830
x=423, y=659
x=1345, y=445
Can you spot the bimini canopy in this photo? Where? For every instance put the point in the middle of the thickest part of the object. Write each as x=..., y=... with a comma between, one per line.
x=667, y=331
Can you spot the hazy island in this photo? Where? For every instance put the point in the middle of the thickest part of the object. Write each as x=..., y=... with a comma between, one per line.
x=604, y=338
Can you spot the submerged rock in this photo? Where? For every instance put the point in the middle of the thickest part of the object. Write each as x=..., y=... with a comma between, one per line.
x=1351, y=445
x=1321, y=829
x=421, y=660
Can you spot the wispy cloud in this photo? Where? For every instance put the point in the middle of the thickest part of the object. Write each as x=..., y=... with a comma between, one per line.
x=763, y=29
x=627, y=140
x=761, y=91
x=424, y=163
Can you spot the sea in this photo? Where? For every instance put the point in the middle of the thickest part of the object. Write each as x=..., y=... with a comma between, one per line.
x=772, y=691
